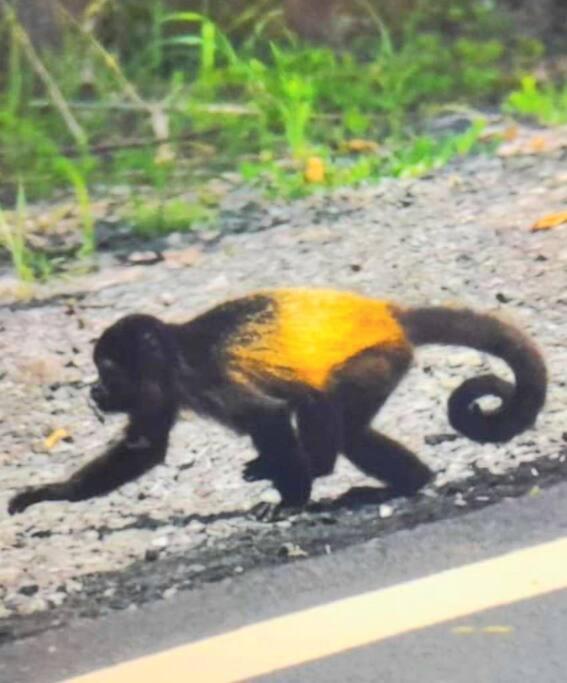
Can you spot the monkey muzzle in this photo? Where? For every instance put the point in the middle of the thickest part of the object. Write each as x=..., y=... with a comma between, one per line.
x=96, y=401
x=97, y=393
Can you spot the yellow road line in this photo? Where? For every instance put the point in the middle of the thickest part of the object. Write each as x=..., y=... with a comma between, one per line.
x=321, y=631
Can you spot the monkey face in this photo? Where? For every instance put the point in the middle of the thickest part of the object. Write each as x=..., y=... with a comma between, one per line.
x=114, y=391
x=132, y=365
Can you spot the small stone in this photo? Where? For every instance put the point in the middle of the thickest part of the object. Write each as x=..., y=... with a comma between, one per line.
x=144, y=258
x=9, y=575
x=317, y=234
x=238, y=569
x=167, y=299
x=175, y=239
x=34, y=605
x=182, y=258
x=270, y=496
x=292, y=550
x=72, y=586
x=449, y=383
x=385, y=511
x=29, y=590
x=169, y=593
x=161, y=542
x=57, y=598
x=209, y=235
x=196, y=568
x=4, y=612
x=195, y=526
x=503, y=298
x=459, y=500
x=151, y=555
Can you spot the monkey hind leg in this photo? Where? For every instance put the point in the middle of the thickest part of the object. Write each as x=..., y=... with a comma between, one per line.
x=361, y=388
x=379, y=456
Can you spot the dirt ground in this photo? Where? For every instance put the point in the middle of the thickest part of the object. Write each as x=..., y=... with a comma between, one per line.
x=460, y=235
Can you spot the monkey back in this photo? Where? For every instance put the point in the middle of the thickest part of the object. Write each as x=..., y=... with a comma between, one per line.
x=305, y=333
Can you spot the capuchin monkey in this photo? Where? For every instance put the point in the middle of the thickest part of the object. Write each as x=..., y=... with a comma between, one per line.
x=301, y=371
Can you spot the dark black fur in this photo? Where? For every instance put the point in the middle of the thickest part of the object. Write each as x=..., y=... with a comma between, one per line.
x=150, y=369
x=521, y=402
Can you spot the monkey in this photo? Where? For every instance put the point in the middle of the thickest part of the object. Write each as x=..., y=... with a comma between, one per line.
x=302, y=372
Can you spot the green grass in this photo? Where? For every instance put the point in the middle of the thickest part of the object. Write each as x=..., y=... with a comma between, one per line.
x=28, y=265
x=78, y=182
x=239, y=95
x=153, y=218
x=410, y=157
x=546, y=103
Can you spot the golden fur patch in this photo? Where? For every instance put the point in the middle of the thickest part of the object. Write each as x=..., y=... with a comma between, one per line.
x=310, y=332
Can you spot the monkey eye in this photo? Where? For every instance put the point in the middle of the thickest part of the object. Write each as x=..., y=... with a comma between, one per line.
x=108, y=370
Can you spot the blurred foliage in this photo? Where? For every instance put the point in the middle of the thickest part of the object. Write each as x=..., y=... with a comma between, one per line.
x=546, y=103
x=170, y=93
x=128, y=24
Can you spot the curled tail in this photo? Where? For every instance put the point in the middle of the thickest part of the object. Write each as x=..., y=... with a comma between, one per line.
x=520, y=402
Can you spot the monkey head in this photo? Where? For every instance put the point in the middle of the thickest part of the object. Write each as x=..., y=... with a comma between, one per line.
x=130, y=357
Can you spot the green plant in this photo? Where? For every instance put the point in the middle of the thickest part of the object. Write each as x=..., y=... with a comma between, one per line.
x=12, y=238
x=27, y=264
x=408, y=157
x=479, y=69
x=230, y=88
x=547, y=103
x=424, y=153
x=80, y=187
x=152, y=218
x=295, y=107
x=206, y=41
x=15, y=85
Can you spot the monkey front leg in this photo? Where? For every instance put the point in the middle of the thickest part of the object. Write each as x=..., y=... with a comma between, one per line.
x=127, y=460
x=281, y=459
x=319, y=434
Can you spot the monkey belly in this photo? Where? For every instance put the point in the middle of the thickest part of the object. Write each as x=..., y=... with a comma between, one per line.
x=311, y=332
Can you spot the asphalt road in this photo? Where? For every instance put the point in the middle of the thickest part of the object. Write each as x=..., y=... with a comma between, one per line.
x=462, y=567
x=521, y=643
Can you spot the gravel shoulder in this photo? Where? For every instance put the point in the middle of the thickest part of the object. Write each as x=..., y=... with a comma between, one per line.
x=460, y=235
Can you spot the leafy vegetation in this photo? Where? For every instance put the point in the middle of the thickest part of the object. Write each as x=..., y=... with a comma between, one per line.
x=545, y=103
x=157, y=217
x=28, y=265
x=163, y=100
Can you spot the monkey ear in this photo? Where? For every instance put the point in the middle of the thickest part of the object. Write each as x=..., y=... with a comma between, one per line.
x=153, y=372
x=151, y=349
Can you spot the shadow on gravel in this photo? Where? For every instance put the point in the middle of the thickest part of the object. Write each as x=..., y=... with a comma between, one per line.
x=325, y=526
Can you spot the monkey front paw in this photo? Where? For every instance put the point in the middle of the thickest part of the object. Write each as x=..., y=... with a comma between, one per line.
x=256, y=470
x=25, y=498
